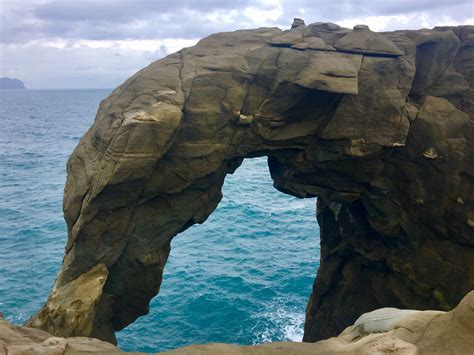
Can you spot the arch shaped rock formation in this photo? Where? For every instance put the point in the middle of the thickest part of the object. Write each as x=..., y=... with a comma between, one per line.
x=377, y=126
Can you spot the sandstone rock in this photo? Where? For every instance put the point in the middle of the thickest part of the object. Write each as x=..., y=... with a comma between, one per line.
x=76, y=304
x=379, y=321
x=364, y=41
x=301, y=46
x=313, y=43
x=15, y=340
x=297, y=22
x=287, y=39
x=435, y=55
x=380, y=136
x=329, y=32
x=383, y=331
x=330, y=72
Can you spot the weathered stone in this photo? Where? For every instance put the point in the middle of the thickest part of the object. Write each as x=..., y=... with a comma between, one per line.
x=287, y=39
x=297, y=22
x=301, y=46
x=378, y=321
x=329, y=32
x=363, y=41
x=383, y=331
x=77, y=305
x=15, y=340
x=330, y=72
x=435, y=55
x=381, y=137
x=313, y=43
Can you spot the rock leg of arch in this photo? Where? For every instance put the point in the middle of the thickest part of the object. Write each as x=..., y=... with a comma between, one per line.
x=378, y=126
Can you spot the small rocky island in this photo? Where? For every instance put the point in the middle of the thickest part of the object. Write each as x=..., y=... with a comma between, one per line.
x=378, y=126
x=9, y=83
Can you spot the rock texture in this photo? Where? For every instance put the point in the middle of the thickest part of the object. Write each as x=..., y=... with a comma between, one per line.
x=383, y=331
x=378, y=126
x=421, y=332
x=16, y=340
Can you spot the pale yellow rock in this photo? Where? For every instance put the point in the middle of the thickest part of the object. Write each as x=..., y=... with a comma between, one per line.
x=15, y=340
x=75, y=304
x=413, y=332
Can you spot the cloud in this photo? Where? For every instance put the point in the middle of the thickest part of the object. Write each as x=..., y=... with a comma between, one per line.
x=101, y=42
x=122, y=19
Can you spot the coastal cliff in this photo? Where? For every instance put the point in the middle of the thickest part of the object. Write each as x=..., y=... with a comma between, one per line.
x=378, y=126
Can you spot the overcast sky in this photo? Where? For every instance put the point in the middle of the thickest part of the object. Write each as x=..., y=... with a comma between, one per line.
x=99, y=43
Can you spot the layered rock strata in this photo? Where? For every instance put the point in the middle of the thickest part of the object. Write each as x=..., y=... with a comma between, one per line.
x=378, y=126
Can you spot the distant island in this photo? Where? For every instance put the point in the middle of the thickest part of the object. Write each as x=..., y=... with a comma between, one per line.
x=9, y=83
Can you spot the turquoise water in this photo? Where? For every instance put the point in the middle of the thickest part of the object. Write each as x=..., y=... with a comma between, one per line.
x=244, y=276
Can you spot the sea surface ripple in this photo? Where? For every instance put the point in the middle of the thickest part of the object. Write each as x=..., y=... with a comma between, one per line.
x=242, y=277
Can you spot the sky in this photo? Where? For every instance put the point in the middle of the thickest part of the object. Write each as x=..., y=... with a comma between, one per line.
x=52, y=44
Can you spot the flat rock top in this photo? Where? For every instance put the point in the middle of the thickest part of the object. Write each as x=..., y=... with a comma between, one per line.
x=363, y=41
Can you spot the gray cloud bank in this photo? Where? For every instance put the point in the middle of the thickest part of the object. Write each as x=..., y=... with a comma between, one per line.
x=99, y=43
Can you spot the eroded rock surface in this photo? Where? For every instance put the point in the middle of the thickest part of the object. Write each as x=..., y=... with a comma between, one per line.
x=15, y=340
x=383, y=331
x=377, y=126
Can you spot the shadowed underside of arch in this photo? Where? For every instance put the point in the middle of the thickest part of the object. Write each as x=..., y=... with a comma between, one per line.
x=378, y=126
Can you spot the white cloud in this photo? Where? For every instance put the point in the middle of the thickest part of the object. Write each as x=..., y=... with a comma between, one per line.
x=264, y=17
x=405, y=22
x=99, y=43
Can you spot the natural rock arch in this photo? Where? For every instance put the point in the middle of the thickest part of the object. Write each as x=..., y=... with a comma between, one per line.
x=379, y=127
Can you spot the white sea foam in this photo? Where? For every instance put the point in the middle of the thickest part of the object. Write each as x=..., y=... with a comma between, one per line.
x=283, y=324
x=294, y=329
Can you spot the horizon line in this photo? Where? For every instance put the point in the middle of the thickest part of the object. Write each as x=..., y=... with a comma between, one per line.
x=79, y=88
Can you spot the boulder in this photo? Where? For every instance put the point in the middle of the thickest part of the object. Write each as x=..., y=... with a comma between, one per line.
x=297, y=22
x=330, y=72
x=315, y=43
x=363, y=41
x=287, y=39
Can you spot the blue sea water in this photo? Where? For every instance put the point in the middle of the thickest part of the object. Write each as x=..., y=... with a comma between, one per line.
x=242, y=277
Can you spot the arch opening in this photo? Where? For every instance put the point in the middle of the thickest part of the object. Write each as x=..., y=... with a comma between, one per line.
x=243, y=276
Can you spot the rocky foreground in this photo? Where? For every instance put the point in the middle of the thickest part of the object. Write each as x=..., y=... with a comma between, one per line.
x=15, y=340
x=385, y=331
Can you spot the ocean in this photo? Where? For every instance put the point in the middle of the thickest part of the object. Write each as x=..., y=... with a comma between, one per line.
x=242, y=277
